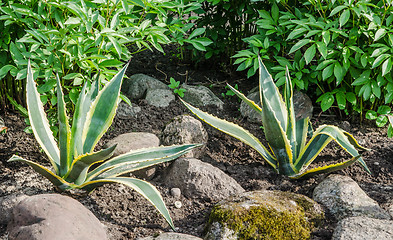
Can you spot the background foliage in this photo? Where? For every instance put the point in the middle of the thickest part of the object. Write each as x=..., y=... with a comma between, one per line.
x=338, y=51
x=83, y=40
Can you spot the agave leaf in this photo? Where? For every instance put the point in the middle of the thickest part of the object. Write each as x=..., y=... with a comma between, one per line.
x=64, y=131
x=147, y=190
x=269, y=90
x=277, y=138
x=235, y=131
x=81, y=164
x=139, y=159
x=249, y=102
x=291, y=127
x=322, y=136
x=82, y=107
x=52, y=177
x=102, y=112
x=127, y=167
x=325, y=169
x=301, y=135
x=39, y=122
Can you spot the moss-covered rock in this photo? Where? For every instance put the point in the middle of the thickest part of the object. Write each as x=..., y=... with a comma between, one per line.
x=264, y=215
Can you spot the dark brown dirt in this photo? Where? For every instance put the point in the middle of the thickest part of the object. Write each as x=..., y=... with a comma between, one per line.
x=127, y=215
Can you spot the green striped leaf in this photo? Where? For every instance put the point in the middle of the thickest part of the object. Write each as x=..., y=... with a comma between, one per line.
x=141, y=157
x=64, y=131
x=301, y=135
x=147, y=190
x=52, y=177
x=322, y=136
x=249, y=102
x=38, y=121
x=235, y=131
x=81, y=164
x=122, y=164
x=325, y=169
x=82, y=107
x=268, y=88
x=291, y=127
x=102, y=112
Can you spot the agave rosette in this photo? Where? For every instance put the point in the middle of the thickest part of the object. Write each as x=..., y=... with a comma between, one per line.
x=73, y=157
x=290, y=153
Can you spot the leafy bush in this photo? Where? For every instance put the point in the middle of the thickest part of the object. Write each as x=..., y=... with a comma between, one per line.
x=79, y=39
x=287, y=137
x=73, y=158
x=340, y=51
x=227, y=22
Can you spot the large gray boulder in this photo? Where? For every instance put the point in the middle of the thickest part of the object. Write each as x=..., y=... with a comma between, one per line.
x=137, y=86
x=302, y=105
x=185, y=129
x=199, y=179
x=363, y=228
x=264, y=215
x=344, y=198
x=53, y=216
x=7, y=203
x=201, y=96
x=171, y=236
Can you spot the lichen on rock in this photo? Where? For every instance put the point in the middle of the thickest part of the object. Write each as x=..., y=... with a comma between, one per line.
x=264, y=215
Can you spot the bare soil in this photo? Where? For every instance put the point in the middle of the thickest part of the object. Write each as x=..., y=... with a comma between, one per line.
x=127, y=215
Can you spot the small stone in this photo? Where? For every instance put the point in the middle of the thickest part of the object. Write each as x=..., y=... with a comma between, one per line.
x=178, y=204
x=376, y=163
x=201, y=96
x=363, y=228
x=160, y=97
x=136, y=86
x=176, y=192
x=346, y=126
x=125, y=111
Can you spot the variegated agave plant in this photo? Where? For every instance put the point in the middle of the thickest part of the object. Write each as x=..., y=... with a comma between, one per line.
x=72, y=161
x=290, y=155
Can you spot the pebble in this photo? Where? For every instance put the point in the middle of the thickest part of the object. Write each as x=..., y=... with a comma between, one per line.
x=176, y=192
x=178, y=204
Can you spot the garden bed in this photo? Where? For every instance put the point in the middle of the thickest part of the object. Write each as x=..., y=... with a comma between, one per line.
x=127, y=215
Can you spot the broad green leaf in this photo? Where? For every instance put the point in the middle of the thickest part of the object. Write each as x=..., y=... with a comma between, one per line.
x=322, y=48
x=310, y=53
x=299, y=45
x=376, y=89
x=52, y=177
x=379, y=34
x=115, y=44
x=64, y=131
x=102, y=112
x=327, y=101
x=381, y=121
x=235, y=131
x=380, y=59
x=197, y=32
x=387, y=66
x=371, y=115
x=339, y=73
x=363, y=78
x=344, y=17
x=384, y=109
x=39, y=123
x=341, y=101
x=337, y=9
x=328, y=71
x=147, y=190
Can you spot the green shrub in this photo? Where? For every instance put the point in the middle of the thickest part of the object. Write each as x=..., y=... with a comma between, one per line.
x=340, y=51
x=79, y=39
